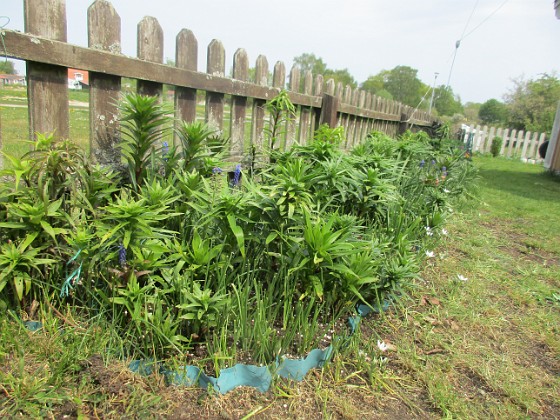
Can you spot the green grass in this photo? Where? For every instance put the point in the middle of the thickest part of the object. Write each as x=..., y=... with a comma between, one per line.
x=487, y=347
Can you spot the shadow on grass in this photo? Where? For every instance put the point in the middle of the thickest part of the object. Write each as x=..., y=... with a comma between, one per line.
x=521, y=179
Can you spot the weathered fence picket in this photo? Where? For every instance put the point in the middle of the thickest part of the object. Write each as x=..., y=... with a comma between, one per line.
x=104, y=33
x=43, y=46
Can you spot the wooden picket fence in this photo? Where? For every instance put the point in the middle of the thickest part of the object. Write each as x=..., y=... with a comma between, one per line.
x=515, y=144
x=229, y=102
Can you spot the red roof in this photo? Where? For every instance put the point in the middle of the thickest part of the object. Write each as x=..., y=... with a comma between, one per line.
x=85, y=75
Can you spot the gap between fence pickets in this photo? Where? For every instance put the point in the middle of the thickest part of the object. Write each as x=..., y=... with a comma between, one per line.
x=45, y=48
x=516, y=144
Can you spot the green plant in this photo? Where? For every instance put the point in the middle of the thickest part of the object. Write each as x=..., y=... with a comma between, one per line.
x=144, y=125
x=496, y=146
x=20, y=266
x=281, y=110
x=201, y=309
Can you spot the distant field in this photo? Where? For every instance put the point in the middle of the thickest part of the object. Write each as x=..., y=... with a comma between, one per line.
x=14, y=123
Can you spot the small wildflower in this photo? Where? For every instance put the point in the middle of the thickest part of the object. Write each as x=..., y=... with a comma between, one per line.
x=422, y=163
x=165, y=148
x=236, y=175
x=430, y=254
x=217, y=171
x=461, y=277
x=122, y=255
x=381, y=345
x=429, y=231
x=433, y=162
x=445, y=190
x=444, y=232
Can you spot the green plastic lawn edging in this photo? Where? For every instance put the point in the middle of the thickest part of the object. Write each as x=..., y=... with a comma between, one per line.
x=259, y=377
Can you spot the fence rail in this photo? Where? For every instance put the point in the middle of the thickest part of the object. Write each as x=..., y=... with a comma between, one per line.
x=516, y=143
x=43, y=46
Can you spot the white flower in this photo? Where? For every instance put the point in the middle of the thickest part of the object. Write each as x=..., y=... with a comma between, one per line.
x=381, y=345
x=429, y=231
x=461, y=277
x=430, y=254
x=444, y=232
x=445, y=190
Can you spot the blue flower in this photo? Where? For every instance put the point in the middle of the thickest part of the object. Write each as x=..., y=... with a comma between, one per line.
x=236, y=175
x=217, y=171
x=165, y=150
x=422, y=163
x=122, y=255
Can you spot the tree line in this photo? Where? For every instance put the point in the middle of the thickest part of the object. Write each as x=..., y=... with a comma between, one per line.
x=530, y=105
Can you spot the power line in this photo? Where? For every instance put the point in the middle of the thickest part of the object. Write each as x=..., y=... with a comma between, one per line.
x=464, y=34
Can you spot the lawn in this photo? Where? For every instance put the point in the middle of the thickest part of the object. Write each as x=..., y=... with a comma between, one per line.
x=475, y=336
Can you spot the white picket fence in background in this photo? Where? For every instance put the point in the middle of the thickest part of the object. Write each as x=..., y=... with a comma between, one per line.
x=516, y=144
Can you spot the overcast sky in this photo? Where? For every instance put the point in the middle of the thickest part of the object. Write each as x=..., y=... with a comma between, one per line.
x=520, y=38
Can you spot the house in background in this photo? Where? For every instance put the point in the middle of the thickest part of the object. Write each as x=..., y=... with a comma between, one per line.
x=78, y=79
x=12, y=80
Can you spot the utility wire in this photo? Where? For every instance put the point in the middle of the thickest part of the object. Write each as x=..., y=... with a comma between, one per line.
x=466, y=34
x=488, y=17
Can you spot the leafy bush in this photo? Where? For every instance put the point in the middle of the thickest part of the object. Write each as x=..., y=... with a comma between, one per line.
x=496, y=146
x=178, y=256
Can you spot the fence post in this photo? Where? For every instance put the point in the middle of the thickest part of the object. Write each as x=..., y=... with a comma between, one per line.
x=305, y=112
x=403, y=126
x=150, y=48
x=104, y=32
x=186, y=57
x=47, y=85
x=329, y=110
x=257, y=138
x=215, y=66
x=238, y=106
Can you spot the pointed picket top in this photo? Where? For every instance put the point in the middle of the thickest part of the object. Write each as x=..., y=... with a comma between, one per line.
x=295, y=77
x=186, y=50
x=261, y=71
x=308, y=83
x=348, y=94
x=104, y=27
x=330, y=87
x=279, y=77
x=186, y=57
x=150, y=40
x=241, y=65
x=318, y=85
x=46, y=18
x=361, y=99
x=339, y=91
x=216, y=58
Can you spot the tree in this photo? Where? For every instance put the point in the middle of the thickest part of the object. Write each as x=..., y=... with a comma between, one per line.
x=446, y=102
x=493, y=112
x=343, y=76
x=471, y=111
x=375, y=84
x=532, y=104
x=307, y=62
x=7, y=67
x=402, y=82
